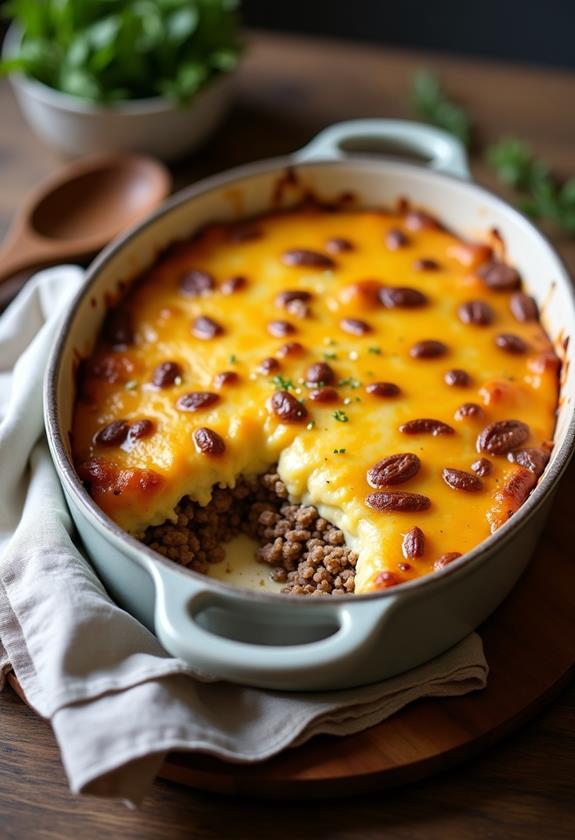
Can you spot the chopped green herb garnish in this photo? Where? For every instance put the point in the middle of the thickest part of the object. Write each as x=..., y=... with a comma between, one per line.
x=350, y=382
x=340, y=416
x=282, y=383
x=375, y=350
x=330, y=356
x=339, y=451
x=233, y=359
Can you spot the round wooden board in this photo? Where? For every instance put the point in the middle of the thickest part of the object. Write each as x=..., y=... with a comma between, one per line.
x=530, y=647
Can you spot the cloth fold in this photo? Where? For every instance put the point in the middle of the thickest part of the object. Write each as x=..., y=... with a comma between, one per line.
x=117, y=701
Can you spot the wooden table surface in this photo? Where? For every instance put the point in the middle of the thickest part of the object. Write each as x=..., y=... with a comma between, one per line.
x=287, y=90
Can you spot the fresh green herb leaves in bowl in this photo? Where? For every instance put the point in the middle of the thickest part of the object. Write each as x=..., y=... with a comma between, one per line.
x=138, y=75
x=112, y=50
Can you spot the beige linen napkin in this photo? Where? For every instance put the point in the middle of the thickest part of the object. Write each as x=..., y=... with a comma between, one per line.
x=116, y=700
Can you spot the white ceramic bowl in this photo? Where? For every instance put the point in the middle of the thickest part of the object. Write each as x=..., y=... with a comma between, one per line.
x=156, y=126
x=283, y=641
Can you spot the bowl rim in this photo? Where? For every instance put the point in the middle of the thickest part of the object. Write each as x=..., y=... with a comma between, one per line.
x=143, y=555
x=54, y=98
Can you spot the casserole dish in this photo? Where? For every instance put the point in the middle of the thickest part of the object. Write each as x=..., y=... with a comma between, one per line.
x=285, y=642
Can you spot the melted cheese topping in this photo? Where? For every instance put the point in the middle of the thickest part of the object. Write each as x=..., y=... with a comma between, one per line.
x=323, y=458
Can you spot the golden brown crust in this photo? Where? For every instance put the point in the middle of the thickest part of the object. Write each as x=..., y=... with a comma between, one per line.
x=334, y=342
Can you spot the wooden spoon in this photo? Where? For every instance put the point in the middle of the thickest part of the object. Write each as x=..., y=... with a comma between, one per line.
x=80, y=209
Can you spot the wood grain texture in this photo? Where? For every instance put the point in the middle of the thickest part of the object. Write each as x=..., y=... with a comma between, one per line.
x=525, y=788
x=530, y=647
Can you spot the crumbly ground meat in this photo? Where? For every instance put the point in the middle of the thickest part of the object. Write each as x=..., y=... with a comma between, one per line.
x=304, y=551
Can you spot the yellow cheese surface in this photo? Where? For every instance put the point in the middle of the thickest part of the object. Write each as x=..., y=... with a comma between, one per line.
x=323, y=458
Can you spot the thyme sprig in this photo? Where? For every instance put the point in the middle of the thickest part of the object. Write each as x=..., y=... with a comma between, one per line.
x=431, y=103
x=543, y=196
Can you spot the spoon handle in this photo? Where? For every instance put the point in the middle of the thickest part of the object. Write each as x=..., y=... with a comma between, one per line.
x=17, y=256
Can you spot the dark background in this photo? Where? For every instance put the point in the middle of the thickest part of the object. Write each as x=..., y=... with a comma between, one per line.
x=536, y=31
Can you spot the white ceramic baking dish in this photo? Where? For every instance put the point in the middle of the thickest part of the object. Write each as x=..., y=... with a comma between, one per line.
x=290, y=642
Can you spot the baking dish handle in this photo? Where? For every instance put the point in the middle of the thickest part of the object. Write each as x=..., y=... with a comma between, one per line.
x=440, y=150
x=182, y=605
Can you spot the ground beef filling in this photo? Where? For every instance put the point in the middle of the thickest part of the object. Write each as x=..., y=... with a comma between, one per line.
x=302, y=549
